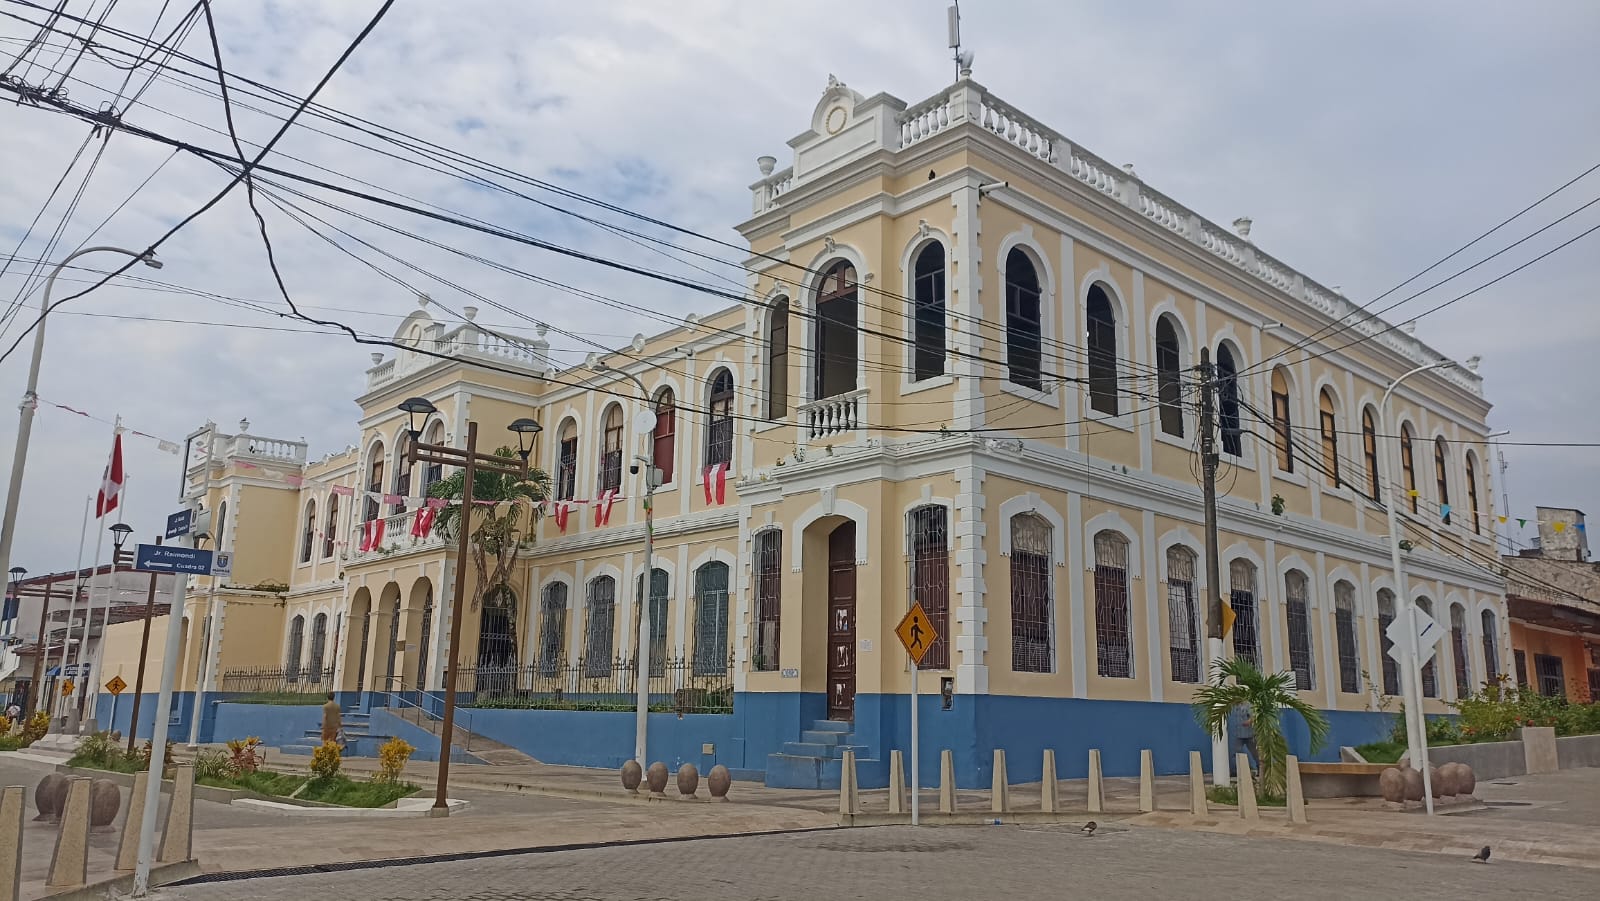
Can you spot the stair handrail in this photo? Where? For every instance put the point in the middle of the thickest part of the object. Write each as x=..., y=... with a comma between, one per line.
x=398, y=700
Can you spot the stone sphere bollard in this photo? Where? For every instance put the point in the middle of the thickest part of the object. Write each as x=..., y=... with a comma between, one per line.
x=719, y=780
x=688, y=780
x=1448, y=783
x=105, y=799
x=657, y=779
x=1413, y=781
x=1469, y=780
x=1392, y=785
x=49, y=796
x=632, y=775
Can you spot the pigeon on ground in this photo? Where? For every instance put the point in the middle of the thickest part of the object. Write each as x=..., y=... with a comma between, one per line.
x=1482, y=856
x=1089, y=827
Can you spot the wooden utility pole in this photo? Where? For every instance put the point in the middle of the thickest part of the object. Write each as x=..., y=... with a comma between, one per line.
x=144, y=651
x=35, y=694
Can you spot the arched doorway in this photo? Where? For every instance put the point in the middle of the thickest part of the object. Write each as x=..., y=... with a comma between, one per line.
x=497, y=642
x=842, y=622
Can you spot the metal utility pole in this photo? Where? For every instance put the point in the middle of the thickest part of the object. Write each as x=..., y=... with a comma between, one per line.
x=144, y=651
x=1215, y=631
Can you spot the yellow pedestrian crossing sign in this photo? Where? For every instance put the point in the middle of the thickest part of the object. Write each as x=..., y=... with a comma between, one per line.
x=916, y=632
x=116, y=685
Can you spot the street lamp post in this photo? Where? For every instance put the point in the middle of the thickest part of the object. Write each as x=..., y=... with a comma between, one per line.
x=1411, y=684
x=30, y=397
x=470, y=461
x=651, y=481
x=119, y=536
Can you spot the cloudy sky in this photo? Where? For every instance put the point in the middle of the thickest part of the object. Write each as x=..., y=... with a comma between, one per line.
x=1366, y=139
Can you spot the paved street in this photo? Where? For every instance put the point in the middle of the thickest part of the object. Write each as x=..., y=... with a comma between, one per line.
x=933, y=864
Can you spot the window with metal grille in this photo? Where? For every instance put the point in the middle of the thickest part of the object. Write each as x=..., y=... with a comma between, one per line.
x=769, y=591
x=1369, y=449
x=394, y=646
x=1520, y=659
x=1472, y=493
x=1228, y=402
x=719, y=426
x=1408, y=465
x=1391, y=669
x=330, y=536
x=665, y=433
x=1330, y=438
x=659, y=587
x=402, y=472
x=374, y=484
x=711, y=619
x=1031, y=606
x=319, y=645
x=836, y=356
x=1491, y=647
x=361, y=659
x=930, y=577
x=1024, y=328
x=1183, y=622
x=777, y=360
x=1550, y=672
x=1442, y=477
x=1242, y=598
x=552, y=628
x=927, y=290
x=599, y=628
x=297, y=637
x=1458, y=650
x=567, y=463
x=1282, y=422
x=427, y=637
x=310, y=533
x=1430, y=678
x=1297, y=607
x=1344, y=632
x=1594, y=685
x=1111, y=627
x=1102, y=352
x=433, y=473
x=611, y=450
x=1169, y=376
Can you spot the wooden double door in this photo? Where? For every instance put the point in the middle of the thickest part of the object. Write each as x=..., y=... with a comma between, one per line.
x=842, y=622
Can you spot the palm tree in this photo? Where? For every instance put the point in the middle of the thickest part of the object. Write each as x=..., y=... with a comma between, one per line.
x=499, y=530
x=1264, y=699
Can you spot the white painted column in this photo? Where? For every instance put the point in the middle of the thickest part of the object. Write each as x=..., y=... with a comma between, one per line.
x=1155, y=667
x=1075, y=582
x=972, y=617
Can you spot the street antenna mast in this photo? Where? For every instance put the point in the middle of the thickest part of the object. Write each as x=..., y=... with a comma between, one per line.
x=963, y=59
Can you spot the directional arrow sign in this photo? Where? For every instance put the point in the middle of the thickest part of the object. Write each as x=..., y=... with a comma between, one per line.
x=169, y=559
x=1426, y=636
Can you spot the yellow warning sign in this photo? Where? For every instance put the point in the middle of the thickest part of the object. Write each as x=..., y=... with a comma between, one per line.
x=916, y=632
x=116, y=685
x=67, y=687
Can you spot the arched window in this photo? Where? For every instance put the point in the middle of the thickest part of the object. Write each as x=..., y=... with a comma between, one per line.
x=711, y=619
x=777, y=361
x=927, y=290
x=665, y=431
x=1102, y=352
x=222, y=526
x=1472, y=493
x=1024, y=329
x=297, y=638
x=930, y=577
x=769, y=594
x=1430, y=681
x=1031, y=606
x=427, y=635
x=552, y=628
x=389, y=672
x=374, y=484
x=599, y=628
x=1458, y=650
x=1242, y=598
x=719, y=425
x=310, y=532
x=660, y=585
x=1228, y=402
x=1297, y=606
x=1329, y=425
x=1111, y=626
x=1183, y=623
x=432, y=473
x=1369, y=449
x=402, y=472
x=1344, y=632
x=567, y=462
x=1169, y=379
x=1282, y=422
x=331, y=535
x=1391, y=669
x=1441, y=475
x=836, y=355
x=611, y=450
x=1408, y=465
x=319, y=647
x=1491, y=647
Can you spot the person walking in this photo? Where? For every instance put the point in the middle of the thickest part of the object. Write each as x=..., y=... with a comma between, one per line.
x=332, y=720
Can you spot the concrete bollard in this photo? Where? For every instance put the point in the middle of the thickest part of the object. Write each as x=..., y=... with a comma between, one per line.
x=13, y=804
x=177, y=839
x=1247, y=788
x=1197, y=785
x=1049, y=788
x=128, y=848
x=69, y=865
x=849, y=791
x=1097, y=796
x=1296, y=795
x=947, y=782
x=1147, y=781
x=999, y=786
x=897, y=782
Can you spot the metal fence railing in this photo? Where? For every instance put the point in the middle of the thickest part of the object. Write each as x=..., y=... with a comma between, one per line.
x=277, y=679
x=694, y=684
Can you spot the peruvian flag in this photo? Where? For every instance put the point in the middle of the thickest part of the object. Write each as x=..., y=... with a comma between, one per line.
x=422, y=523
x=111, y=483
x=371, y=535
x=602, y=507
x=563, y=510
x=715, y=480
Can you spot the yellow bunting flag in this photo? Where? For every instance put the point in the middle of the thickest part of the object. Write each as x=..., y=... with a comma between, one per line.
x=1412, y=492
x=1559, y=526
x=1228, y=616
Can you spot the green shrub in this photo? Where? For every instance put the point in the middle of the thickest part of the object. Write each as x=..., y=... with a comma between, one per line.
x=95, y=751
x=211, y=763
x=325, y=761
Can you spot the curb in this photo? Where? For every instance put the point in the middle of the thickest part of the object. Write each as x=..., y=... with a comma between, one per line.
x=118, y=886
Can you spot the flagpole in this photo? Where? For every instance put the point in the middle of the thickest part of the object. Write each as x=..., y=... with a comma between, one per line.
x=72, y=718
x=47, y=704
x=90, y=700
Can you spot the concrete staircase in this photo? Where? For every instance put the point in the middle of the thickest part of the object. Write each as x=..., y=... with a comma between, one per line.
x=485, y=749
x=816, y=759
x=359, y=740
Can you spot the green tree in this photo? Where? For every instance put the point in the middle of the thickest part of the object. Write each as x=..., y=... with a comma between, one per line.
x=499, y=531
x=1265, y=699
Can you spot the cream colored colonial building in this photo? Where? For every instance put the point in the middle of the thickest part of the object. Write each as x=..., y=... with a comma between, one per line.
x=963, y=374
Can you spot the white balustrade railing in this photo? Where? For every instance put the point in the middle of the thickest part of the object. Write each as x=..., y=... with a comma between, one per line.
x=465, y=340
x=833, y=415
x=924, y=120
x=380, y=373
x=397, y=538
x=266, y=449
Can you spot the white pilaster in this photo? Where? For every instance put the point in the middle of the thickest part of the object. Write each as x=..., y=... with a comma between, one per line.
x=971, y=642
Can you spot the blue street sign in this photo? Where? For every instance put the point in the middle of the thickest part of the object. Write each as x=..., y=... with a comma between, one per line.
x=168, y=559
x=178, y=523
